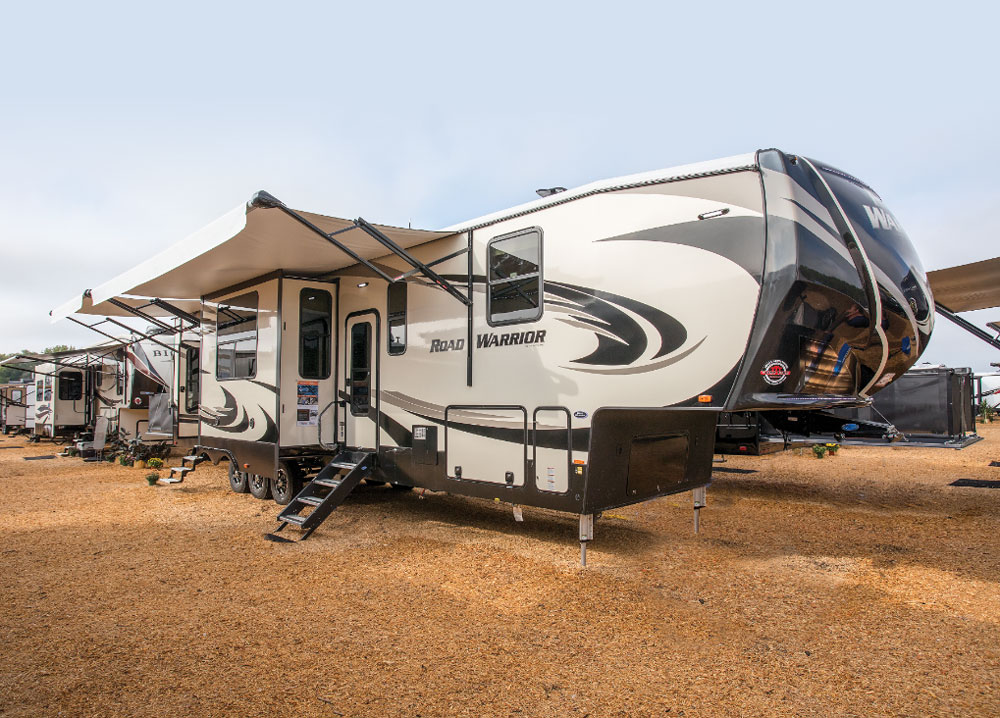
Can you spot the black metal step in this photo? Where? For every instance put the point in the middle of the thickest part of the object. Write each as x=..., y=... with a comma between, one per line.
x=359, y=466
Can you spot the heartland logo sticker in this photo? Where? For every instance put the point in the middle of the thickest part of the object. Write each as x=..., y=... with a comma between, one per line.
x=775, y=372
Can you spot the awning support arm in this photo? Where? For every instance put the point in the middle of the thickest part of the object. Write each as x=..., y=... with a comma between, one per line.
x=144, y=336
x=409, y=274
x=93, y=327
x=177, y=312
x=382, y=239
x=266, y=200
x=967, y=325
x=142, y=315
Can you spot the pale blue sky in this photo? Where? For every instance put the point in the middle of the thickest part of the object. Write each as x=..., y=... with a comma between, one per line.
x=124, y=127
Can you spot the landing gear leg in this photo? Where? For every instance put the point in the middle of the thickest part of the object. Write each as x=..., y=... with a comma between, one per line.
x=699, y=503
x=586, y=535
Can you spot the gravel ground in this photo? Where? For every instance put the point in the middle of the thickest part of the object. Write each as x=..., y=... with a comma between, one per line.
x=857, y=585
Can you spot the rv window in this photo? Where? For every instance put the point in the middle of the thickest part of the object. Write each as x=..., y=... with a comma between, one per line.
x=70, y=386
x=48, y=389
x=16, y=395
x=315, y=321
x=360, y=370
x=39, y=393
x=236, y=338
x=396, y=310
x=192, y=382
x=515, y=278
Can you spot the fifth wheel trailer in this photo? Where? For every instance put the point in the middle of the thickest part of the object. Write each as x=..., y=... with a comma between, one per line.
x=570, y=353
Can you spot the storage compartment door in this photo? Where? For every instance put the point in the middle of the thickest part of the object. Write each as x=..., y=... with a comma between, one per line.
x=487, y=443
x=552, y=449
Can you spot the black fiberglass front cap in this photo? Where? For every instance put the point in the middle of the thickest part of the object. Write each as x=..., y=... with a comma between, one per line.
x=907, y=303
x=836, y=259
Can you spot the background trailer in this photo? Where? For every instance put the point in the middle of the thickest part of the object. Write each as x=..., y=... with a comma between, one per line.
x=928, y=406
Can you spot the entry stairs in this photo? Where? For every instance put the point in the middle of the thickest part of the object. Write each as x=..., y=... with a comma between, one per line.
x=183, y=469
x=326, y=491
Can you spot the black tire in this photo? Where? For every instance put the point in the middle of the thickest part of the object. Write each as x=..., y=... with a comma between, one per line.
x=286, y=483
x=260, y=486
x=237, y=479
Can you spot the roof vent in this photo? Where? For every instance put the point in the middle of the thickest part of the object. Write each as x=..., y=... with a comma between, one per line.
x=549, y=191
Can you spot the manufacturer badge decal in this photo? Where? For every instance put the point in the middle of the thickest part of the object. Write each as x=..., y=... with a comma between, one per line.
x=775, y=372
x=580, y=414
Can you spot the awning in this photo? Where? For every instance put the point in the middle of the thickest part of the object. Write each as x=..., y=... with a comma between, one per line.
x=84, y=357
x=250, y=241
x=967, y=287
x=85, y=305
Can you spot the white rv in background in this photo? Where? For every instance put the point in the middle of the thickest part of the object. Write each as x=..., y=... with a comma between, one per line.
x=571, y=353
x=143, y=387
x=69, y=397
x=13, y=406
x=161, y=401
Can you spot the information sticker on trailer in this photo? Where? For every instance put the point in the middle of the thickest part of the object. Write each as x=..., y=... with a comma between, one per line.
x=307, y=403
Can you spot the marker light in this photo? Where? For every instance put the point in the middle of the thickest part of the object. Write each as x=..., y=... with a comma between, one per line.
x=362, y=285
x=704, y=398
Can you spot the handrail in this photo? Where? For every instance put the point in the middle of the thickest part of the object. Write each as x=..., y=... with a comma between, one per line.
x=319, y=428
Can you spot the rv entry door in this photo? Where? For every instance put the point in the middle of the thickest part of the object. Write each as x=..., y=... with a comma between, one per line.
x=308, y=363
x=361, y=377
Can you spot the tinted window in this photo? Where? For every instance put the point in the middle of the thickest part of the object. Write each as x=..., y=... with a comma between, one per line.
x=360, y=368
x=315, y=322
x=515, y=278
x=192, y=382
x=236, y=338
x=71, y=386
x=396, y=324
x=48, y=389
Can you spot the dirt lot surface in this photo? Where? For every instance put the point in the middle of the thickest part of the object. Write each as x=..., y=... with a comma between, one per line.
x=857, y=585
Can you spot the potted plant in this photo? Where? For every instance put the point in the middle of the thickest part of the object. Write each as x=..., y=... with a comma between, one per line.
x=124, y=460
x=832, y=449
x=152, y=477
x=155, y=463
x=819, y=450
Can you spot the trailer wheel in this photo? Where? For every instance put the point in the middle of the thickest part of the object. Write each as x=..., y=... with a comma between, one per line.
x=286, y=483
x=260, y=486
x=237, y=479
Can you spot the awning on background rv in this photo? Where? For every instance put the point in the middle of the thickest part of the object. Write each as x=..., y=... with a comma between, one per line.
x=73, y=358
x=248, y=242
x=967, y=287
